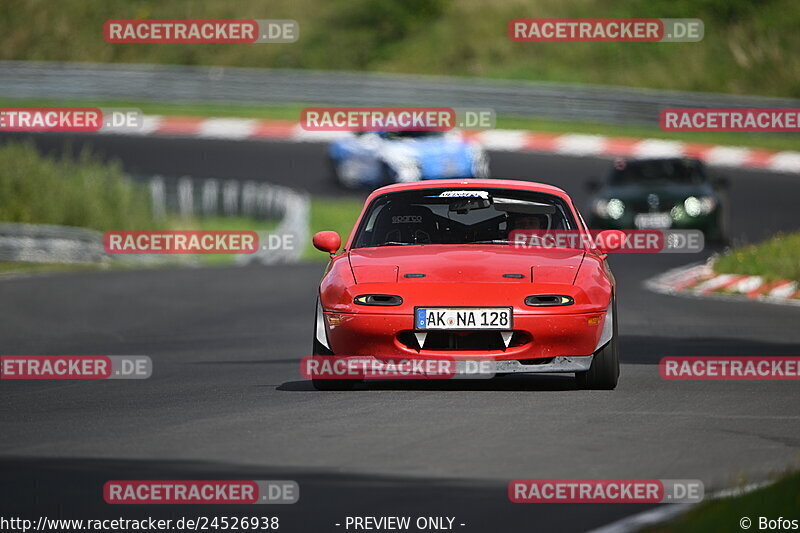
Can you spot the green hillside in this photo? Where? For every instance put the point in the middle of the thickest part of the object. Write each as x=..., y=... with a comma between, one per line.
x=749, y=47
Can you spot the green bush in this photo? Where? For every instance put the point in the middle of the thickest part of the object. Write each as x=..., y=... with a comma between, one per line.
x=84, y=191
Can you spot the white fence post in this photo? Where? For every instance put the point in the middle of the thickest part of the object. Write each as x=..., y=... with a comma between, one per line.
x=158, y=197
x=230, y=198
x=210, y=197
x=185, y=197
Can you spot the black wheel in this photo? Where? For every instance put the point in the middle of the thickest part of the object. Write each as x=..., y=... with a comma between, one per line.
x=604, y=372
x=721, y=235
x=333, y=384
x=319, y=350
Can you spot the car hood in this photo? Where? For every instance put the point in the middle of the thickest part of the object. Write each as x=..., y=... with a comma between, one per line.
x=464, y=264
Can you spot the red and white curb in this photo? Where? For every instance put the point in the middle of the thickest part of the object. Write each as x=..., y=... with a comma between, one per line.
x=702, y=281
x=501, y=140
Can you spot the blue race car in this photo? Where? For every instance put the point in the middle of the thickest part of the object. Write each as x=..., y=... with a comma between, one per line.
x=376, y=158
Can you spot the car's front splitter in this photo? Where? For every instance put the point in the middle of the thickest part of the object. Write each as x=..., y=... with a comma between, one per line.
x=558, y=364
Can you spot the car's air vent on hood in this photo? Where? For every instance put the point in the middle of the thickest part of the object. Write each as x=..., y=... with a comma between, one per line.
x=378, y=299
x=548, y=300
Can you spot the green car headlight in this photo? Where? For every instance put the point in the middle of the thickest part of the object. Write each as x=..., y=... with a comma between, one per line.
x=697, y=206
x=613, y=208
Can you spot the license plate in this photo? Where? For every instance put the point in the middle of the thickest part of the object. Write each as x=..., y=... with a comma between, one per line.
x=427, y=318
x=653, y=221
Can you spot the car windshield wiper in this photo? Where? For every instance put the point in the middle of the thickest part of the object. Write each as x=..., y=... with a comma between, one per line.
x=395, y=243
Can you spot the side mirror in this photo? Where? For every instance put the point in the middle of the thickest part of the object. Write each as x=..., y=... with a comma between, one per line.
x=610, y=240
x=593, y=185
x=327, y=241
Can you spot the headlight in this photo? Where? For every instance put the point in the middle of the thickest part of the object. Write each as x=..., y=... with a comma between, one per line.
x=599, y=207
x=378, y=299
x=613, y=208
x=703, y=205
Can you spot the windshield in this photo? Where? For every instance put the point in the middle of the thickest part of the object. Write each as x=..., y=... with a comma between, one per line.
x=686, y=171
x=464, y=216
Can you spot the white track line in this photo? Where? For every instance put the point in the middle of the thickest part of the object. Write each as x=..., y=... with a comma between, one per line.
x=665, y=512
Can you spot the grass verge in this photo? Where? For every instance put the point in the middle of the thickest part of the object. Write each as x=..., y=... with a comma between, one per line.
x=781, y=499
x=220, y=224
x=337, y=214
x=775, y=259
x=769, y=141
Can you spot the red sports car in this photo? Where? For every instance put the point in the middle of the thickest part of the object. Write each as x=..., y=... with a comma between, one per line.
x=430, y=272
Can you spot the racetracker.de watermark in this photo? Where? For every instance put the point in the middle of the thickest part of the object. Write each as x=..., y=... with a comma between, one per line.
x=75, y=367
x=201, y=31
x=730, y=368
x=181, y=242
x=205, y=492
x=394, y=118
x=364, y=367
x=606, y=491
x=606, y=30
x=612, y=241
x=740, y=120
x=77, y=119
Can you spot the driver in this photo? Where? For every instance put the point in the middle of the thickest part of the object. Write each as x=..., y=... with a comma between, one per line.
x=526, y=221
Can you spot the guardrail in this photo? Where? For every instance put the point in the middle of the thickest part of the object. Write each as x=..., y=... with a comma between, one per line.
x=188, y=197
x=170, y=83
x=45, y=243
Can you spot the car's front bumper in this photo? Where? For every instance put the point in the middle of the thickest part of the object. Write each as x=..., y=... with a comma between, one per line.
x=709, y=224
x=541, y=342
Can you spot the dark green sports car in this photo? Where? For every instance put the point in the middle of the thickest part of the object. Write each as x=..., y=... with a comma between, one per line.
x=664, y=193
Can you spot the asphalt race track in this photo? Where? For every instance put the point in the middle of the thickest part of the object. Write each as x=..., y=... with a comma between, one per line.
x=226, y=399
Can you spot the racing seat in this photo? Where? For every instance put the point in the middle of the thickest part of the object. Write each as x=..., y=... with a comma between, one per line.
x=412, y=224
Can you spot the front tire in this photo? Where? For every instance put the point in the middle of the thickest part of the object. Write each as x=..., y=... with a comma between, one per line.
x=721, y=233
x=330, y=384
x=604, y=372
